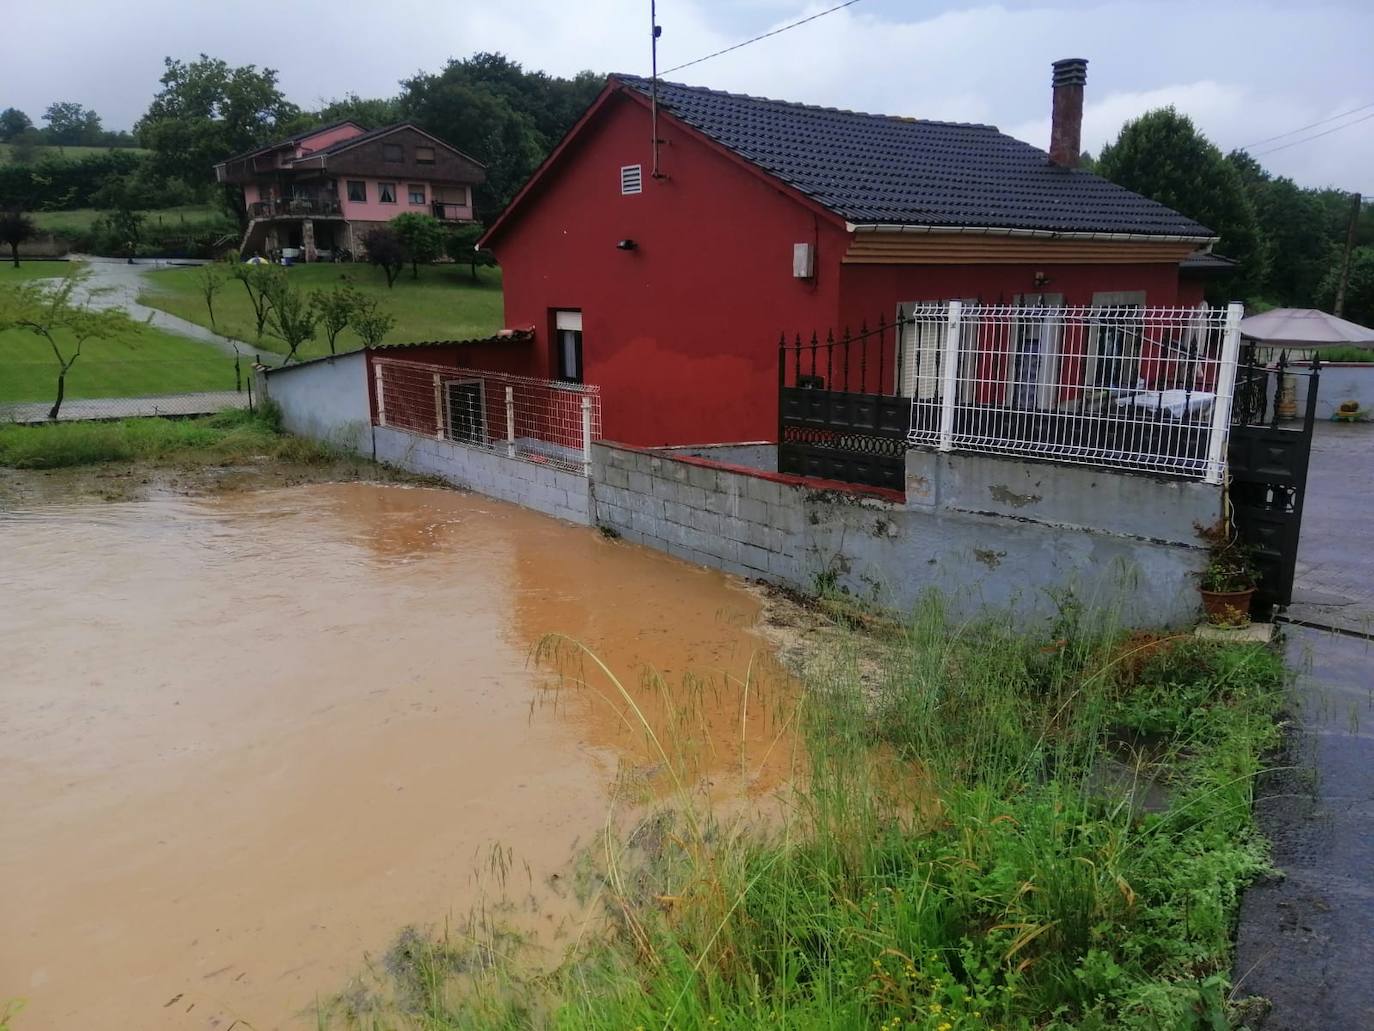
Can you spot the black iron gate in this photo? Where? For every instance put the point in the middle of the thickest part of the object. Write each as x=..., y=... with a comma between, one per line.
x=1268, y=466
x=839, y=417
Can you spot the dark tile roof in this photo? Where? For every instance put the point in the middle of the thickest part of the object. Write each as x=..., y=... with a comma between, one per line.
x=291, y=141
x=360, y=138
x=1207, y=261
x=905, y=171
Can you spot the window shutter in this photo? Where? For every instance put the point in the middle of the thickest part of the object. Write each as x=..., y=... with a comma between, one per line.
x=631, y=179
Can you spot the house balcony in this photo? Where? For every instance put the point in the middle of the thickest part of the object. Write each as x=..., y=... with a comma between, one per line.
x=301, y=207
x=451, y=212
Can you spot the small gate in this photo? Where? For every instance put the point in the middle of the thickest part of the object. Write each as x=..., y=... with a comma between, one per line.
x=839, y=417
x=1268, y=466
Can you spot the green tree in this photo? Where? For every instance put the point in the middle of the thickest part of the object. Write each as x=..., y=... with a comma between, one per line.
x=207, y=111
x=335, y=310
x=72, y=125
x=210, y=281
x=422, y=236
x=371, y=323
x=369, y=112
x=15, y=228
x=1163, y=156
x=12, y=123
x=461, y=245
x=24, y=146
x=291, y=317
x=1359, y=291
x=54, y=313
x=259, y=280
x=386, y=251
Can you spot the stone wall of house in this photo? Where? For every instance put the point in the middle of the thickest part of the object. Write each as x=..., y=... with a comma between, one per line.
x=985, y=532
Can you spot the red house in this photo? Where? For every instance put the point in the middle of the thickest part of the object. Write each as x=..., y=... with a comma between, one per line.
x=676, y=231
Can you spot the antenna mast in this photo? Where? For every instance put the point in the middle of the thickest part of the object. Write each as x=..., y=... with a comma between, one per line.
x=654, y=32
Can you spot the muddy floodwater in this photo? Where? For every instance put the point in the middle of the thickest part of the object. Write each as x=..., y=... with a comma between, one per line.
x=244, y=739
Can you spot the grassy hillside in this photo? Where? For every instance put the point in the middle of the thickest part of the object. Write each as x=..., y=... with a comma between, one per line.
x=443, y=304
x=67, y=153
x=168, y=219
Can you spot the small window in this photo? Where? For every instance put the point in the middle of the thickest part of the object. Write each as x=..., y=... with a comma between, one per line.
x=424, y=155
x=386, y=193
x=393, y=152
x=357, y=191
x=631, y=179
x=568, y=335
x=417, y=193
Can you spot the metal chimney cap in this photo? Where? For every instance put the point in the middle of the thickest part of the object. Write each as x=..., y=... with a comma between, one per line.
x=1071, y=71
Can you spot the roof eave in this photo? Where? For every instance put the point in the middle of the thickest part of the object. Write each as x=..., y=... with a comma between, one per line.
x=1043, y=234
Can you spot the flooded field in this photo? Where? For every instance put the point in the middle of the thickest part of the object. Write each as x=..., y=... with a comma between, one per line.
x=248, y=737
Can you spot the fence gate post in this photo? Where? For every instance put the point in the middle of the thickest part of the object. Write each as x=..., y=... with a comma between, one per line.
x=381, y=396
x=1226, y=386
x=586, y=436
x=510, y=422
x=438, y=408
x=949, y=376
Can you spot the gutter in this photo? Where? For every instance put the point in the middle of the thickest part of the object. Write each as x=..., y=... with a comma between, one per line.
x=1042, y=234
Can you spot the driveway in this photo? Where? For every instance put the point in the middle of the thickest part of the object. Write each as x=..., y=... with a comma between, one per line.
x=1306, y=937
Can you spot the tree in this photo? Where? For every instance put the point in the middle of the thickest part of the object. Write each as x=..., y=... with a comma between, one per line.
x=12, y=123
x=72, y=125
x=422, y=236
x=291, y=317
x=207, y=111
x=335, y=310
x=1163, y=156
x=1359, y=291
x=385, y=250
x=15, y=228
x=461, y=245
x=371, y=323
x=369, y=112
x=210, y=281
x=126, y=228
x=24, y=146
x=259, y=279
x=53, y=313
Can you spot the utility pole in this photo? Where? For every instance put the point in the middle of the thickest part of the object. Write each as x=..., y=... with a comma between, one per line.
x=654, y=33
x=1345, y=259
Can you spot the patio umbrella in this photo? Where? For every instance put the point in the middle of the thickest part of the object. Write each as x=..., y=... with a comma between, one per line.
x=1304, y=328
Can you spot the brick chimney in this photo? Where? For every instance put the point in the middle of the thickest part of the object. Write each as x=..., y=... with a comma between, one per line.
x=1066, y=121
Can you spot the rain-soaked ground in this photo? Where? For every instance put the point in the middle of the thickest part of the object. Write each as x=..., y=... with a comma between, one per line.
x=247, y=737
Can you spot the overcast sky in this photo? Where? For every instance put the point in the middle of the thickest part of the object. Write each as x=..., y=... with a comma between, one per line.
x=1244, y=71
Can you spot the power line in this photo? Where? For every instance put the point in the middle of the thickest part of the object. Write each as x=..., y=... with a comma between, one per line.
x=784, y=28
x=1294, y=132
x=1314, y=136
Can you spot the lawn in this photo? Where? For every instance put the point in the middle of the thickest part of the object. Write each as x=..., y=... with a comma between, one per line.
x=69, y=153
x=30, y=269
x=444, y=304
x=148, y=361
x=79, y=220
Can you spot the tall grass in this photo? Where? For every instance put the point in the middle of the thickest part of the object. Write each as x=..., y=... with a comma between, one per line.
x=965, y=848
x=224, y=438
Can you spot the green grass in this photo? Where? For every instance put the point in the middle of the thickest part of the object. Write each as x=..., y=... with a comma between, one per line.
x=233, y=436
x=147, y=361
x=444, y=304
x=79, y=220
x=954, y=858
x=1346, y=354
x=69, y=153
x=30, y=269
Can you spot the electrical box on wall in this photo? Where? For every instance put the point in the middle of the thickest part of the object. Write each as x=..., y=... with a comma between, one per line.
x=803, y=260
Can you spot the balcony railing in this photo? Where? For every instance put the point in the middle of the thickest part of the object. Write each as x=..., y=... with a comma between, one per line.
x=299, y=207
x=451, y=212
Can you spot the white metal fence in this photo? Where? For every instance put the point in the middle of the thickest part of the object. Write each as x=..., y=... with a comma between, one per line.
x=1122, y=386
x=547, y=422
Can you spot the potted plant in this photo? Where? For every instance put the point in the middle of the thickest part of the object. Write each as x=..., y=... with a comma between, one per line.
x=1228, y=583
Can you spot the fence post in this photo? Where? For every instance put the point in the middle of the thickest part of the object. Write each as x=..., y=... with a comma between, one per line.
x=1226, y=386
x=949, y=376
x=510, y=422
x=381, y=395
x=438, y=408
x=586, y=436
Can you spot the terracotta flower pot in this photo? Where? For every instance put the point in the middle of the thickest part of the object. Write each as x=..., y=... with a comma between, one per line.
x=1227, y=608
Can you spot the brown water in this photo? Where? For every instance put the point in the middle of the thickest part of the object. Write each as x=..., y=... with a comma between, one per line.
x=244, y=739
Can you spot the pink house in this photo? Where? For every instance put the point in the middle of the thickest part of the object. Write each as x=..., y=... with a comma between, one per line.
x=322, y=191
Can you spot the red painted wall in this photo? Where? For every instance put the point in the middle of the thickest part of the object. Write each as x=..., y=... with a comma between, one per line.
x=681, y=333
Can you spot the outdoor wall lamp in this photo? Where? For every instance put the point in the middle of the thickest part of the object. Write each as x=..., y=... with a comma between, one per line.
x=1041, y=280
x=627, y=245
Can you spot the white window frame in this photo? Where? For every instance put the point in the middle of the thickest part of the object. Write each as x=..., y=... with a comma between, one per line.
x=631, y=180
x=1047, y=368
x=918, y=368
x=1109, y=299
x=481, y=428
x=381, y=193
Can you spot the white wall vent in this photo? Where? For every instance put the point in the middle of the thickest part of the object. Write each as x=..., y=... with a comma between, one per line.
x=631, y=179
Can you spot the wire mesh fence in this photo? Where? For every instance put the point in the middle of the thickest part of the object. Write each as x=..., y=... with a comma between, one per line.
x=126, y=388
x=1121, y=386
x=534, y=420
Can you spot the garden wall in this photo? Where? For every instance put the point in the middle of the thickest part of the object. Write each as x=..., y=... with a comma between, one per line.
x=324, y=399
x=984, y=531
x=1340, y=381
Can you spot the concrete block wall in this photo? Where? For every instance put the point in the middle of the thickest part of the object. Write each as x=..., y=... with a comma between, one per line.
x=1349, y=381
x=325, y=399
x=985, y=532
x=544, y=488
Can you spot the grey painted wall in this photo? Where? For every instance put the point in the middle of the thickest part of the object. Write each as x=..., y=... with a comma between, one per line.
x=1339, y=383
x=762, y=456
x=985, y=532
x=325, y=400
x=543, y=488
